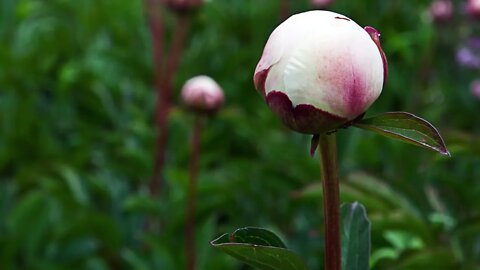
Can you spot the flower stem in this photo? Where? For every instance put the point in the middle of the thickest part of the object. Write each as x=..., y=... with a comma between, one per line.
x=192, y=194
x=331, y=201
x=152, y=9
x=165, y=71
x=284, y=10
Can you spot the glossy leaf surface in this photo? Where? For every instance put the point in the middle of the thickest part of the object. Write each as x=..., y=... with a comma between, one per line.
x=406, y=127
x=259, y=248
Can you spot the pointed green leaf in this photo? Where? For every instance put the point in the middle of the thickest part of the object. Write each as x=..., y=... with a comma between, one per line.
x=406, y=127
x=259, y=248
x=355, y=237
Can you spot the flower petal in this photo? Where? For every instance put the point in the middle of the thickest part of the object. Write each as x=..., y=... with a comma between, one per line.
x=375, y=35
x=337, y=69
x=303, y=118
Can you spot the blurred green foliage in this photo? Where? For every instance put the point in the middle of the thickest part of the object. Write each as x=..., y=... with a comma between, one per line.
x=77, y=134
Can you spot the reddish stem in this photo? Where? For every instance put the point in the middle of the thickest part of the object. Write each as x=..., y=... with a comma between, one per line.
x=178, y=44
x=331, y=201
x=164, y=76
x=284, y=10
x=152, y=8
x=192, y=194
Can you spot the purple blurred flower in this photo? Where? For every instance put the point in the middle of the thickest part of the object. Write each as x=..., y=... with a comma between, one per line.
x=475, y=88
x=467, y=58
x=441, y=11
x=474, y=42
x=469, y=55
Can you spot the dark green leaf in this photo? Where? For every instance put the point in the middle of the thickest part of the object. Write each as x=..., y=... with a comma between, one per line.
x=437, y=258
x=406, y=127
x=256, y=236
x=355, y=237
x=259, y=248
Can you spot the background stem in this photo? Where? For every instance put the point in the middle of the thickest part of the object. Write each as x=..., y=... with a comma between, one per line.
x=192, y=194
x=152, y=9
x=165, y=71
x=285, y=10
x=331, y=201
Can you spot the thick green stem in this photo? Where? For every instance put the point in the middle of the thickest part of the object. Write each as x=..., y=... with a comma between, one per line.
x=331, y=201
x=192, y=194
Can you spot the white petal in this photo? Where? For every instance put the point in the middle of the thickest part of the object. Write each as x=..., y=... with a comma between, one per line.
x=335, y=66
x=280, y=45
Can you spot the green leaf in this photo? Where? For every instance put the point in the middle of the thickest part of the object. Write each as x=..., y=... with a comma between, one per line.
x=355, y=237
x=259, y=248
x=435, y=258
x=406, y=127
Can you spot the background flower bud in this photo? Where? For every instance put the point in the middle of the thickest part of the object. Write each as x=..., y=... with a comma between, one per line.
x=321, y=3
x=441, y=11
x=202, y=93
x=183, y=6
x=473, y=8
x=320, y=70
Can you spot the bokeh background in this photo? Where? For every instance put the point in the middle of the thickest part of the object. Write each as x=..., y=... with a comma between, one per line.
x=77, y=138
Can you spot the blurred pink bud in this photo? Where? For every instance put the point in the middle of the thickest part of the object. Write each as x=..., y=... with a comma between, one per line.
x=203, y=94
x=473, y=8
x=183, y=6
x=321, y=3
x=441, y=11
x=319, y=70
x=475, y=88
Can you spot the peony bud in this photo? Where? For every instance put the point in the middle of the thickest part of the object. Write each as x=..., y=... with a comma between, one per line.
x=183, y=6
x=321, y=3
x=441, y=11
x=473, y=8
x=320, y=70
x=202, y=93
x=475, y=88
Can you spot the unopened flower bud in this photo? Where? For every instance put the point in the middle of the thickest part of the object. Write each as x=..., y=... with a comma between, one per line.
x=320, y=4
x=202, y=93
x=441, y=11
x=320, y=70
x=183, y=6
x=473, y=8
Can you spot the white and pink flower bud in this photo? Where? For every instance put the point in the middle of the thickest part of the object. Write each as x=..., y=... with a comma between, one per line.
x=441, y=11
x=320, y=4
x=473, y=8
x=183, y=6
x=320, y=70
x=203, y=94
